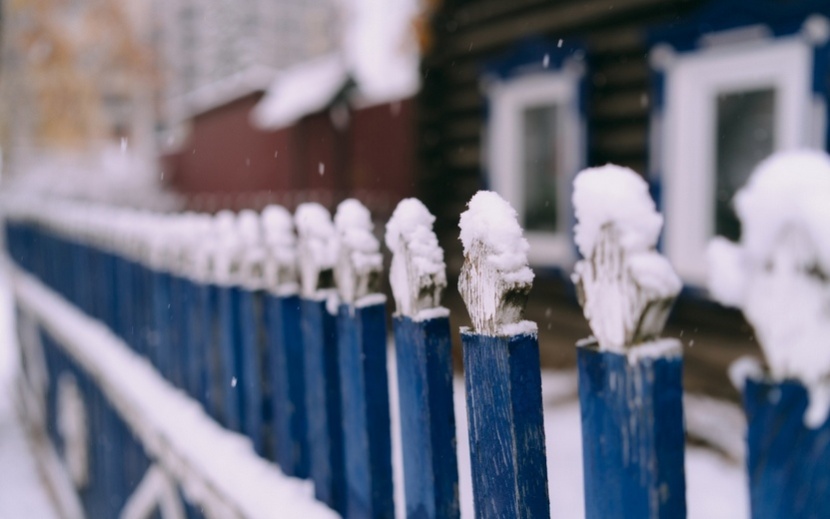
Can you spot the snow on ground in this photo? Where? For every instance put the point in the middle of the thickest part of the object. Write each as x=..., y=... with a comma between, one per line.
x=716, y=487
x=22, y=493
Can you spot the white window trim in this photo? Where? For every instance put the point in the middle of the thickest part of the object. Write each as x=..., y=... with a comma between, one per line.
x=693, y=83
x=508, y=100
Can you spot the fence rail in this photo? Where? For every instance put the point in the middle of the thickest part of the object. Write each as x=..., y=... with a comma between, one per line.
x=271, y=327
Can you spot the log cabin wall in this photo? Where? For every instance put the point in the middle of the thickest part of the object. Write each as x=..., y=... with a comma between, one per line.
x=468, y=33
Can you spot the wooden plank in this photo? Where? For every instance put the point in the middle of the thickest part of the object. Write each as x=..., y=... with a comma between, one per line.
x=229, y=391
x=629, y=104
x=465, y=128
x=506, y=427
x=789, y=463
x=287, y=381
x=252, y=369
x=464, y=156
x=325, y=415
x=198, y=333
x=160, y=347
x=361, y=335
x=621, y=139
x=424, y=363
x=632, y=435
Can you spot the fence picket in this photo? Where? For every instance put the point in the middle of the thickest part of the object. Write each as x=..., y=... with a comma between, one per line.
x=501, y=366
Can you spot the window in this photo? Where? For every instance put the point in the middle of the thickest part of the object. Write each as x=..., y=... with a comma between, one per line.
x=534, y=147
x=727, y=107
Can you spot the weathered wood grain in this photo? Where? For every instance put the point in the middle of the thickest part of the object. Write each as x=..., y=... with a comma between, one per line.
x=424, y=364
x=506, y=427
x=287, y=381
x=324, y=403
x=632, y=435
x=789, y=463
x=361, y=335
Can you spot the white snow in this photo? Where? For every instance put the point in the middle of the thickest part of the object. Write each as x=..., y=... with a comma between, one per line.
x=281, y=249
x=778, y=273
x=317, y=246
x=301, y=90
x=359, y=261
x=495, y=278
x=379, y=51
x=626, y=287
x=418, y=274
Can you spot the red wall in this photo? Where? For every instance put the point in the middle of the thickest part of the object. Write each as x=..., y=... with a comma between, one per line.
x=226, y=162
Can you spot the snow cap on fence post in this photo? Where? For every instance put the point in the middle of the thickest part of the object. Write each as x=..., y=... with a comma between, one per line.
x=280, y=249
x=227, y=244
x=779, y=272
x=317, y=249
x=495, y=279
x=418, y=274
x=359, y=262
x=625, y=286
x=252, y=252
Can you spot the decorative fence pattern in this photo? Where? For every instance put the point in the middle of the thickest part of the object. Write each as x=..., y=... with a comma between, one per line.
x=273, y=326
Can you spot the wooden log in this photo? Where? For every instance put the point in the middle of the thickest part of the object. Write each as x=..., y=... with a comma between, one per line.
x=287, y=378
x=324, y=403
x=361, y=334
x=424, y=363
x=788, y=462
x=632, y=432
x=506, y=427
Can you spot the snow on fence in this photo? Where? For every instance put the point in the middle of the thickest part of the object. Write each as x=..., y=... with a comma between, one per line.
x=273, y=330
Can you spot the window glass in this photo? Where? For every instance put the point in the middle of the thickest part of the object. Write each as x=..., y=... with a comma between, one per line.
x=745, y=136
x=540, y=157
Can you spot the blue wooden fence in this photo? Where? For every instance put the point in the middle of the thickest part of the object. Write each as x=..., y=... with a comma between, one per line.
x=308, y=385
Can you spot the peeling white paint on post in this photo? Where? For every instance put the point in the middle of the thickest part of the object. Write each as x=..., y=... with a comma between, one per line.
x=779, y=275
x=316, y=256
x=630, y=380
x=361, y=336
x=501, y=365
x=424, y=362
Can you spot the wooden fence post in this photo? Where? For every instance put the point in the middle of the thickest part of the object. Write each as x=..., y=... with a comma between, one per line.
x=226, y=363
x=630, y=381
x=317, y=248
x=424, y=363
x=251, y=316
x=778, y=275
x=501, y=365
x=361, y=334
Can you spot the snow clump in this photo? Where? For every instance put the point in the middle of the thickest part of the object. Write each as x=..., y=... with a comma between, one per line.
x=625, y=286
x=317, y=248
x=359, y=262
x=495, y=279
x=779, y=272
x=418, y=273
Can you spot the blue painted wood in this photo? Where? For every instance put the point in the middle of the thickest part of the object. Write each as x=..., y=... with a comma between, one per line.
x=632, y=435
x=178, y=340
x=324, y=403
x=253, y=365
x=506, y=427
x=286, y=379
x=198, y=334
x=229, y=390
x=128, y=300
x=361, y=335
x=789, y=464
x=160, y=347
x=424, y=363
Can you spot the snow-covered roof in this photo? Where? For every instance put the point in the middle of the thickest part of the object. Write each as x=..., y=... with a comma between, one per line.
x=301, y=90
x=254, y=79
x=379, y=52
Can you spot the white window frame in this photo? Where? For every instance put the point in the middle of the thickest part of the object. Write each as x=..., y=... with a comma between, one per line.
x=508, y=101
x=693, y=83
